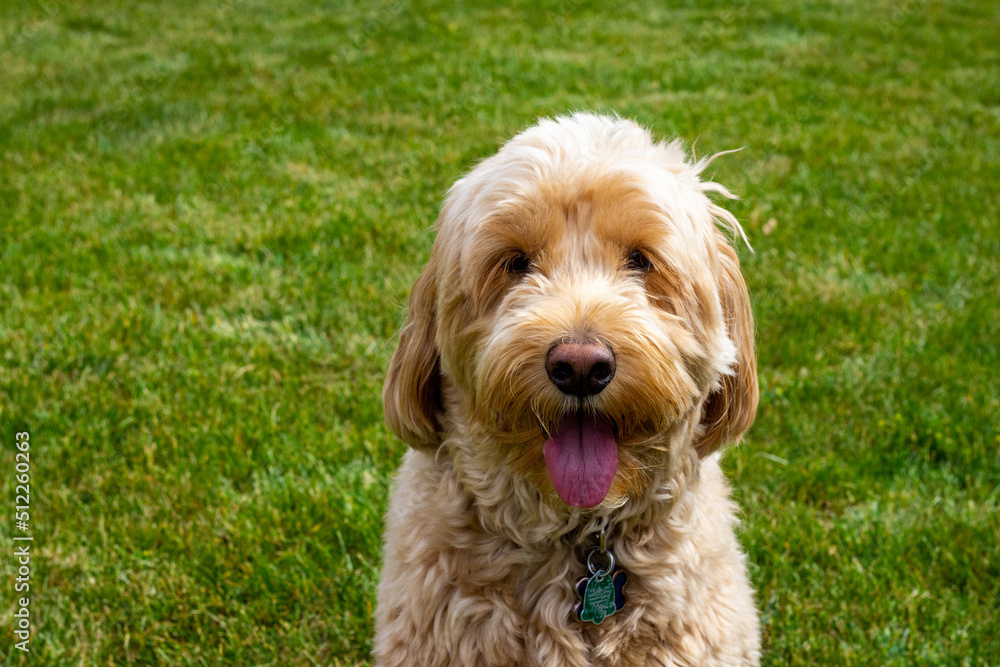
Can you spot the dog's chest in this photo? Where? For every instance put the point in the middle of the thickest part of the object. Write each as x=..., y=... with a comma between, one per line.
x=549, y=630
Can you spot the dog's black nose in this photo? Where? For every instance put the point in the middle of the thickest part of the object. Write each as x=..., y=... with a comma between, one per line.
x=580, y=368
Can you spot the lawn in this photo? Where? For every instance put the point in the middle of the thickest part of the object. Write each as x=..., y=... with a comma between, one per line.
x=211, y=215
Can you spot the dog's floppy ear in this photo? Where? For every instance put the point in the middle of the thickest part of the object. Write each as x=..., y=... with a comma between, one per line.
x=411, y=396
x=730, y=410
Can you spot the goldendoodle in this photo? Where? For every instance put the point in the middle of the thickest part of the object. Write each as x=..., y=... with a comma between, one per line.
x=578, y=347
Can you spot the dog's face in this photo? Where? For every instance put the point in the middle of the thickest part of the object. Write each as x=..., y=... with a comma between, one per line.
x=582, y=316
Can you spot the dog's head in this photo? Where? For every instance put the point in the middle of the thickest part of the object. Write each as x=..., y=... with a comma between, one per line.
x=582, y=312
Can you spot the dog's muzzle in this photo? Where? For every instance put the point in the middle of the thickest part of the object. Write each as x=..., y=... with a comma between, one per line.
x=581, y=453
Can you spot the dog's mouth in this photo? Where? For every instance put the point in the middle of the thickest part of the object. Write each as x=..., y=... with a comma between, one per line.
x=581, y=455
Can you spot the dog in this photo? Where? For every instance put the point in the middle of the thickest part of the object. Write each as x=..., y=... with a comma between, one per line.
x=578, y=348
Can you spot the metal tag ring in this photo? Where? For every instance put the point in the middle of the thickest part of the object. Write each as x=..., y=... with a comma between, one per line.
x=611, y=562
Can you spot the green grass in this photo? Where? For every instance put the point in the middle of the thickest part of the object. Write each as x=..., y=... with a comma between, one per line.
x=211, y=215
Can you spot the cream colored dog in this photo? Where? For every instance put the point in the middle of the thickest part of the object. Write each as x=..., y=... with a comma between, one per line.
x=577, y=347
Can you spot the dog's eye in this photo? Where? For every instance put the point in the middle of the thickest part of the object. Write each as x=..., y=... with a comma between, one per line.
x=637, y=261
x=517, y=264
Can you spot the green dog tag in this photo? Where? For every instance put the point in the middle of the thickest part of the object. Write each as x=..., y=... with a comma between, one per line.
x=601, y=594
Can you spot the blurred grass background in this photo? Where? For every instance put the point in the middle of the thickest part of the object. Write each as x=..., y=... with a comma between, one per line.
x=211, y=215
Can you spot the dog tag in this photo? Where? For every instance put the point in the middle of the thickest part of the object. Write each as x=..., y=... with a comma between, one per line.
x=601, y=594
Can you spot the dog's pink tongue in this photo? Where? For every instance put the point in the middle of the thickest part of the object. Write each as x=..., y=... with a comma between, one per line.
x=582, y=458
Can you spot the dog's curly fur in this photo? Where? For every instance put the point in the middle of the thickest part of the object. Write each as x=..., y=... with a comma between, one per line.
x=537, y=246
